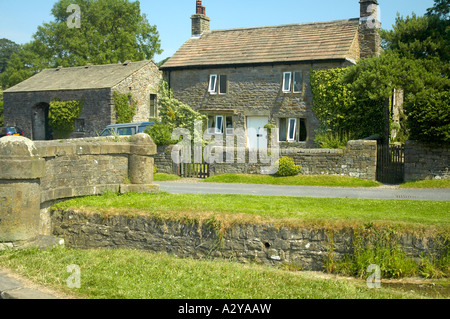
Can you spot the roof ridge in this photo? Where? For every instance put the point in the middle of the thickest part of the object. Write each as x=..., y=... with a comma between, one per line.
x=96, y=65
x=284, y=25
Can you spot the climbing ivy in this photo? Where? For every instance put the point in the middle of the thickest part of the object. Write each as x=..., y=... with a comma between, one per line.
x=125, y=107
x=62, y=116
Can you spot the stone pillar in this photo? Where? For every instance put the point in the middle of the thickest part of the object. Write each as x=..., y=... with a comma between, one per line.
x=20, y=197
x=140, y=165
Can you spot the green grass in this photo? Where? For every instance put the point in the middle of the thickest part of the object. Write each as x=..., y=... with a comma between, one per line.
x=295, y=211
x=436, y=183
x=129, y=274
x=162, y=177
x=304, y=180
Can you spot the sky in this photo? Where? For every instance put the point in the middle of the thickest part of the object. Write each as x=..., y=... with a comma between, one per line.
x=19, y=19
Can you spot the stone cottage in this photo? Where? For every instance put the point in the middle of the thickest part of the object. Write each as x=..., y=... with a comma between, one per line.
x=26, y=105
x=249, y=77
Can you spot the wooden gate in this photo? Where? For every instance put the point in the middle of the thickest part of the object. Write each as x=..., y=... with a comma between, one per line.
x=390, y=163
x=192, y=170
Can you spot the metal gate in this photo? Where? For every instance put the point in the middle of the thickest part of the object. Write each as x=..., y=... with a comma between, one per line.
x=390, y=163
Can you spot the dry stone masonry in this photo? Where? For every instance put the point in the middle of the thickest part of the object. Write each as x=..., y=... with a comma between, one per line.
x=247, y=243
x=33, y=175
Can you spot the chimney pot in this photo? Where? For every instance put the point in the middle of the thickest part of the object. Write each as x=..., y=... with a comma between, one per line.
x=200, y=22
x=200, y=9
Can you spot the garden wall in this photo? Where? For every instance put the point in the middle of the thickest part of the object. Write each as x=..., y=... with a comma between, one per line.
x=357, y=159
x=259, y=243
x=425, y=161
x=33, y=175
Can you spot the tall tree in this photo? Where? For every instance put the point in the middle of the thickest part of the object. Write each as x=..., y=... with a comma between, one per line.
x=111, y=31
x=421, y=37
x=7, y=48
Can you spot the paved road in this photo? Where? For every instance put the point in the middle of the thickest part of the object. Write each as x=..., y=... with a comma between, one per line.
x=16, y=288
x=306, y=191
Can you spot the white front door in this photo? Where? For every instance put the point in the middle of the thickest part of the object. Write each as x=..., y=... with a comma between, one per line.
x=256, y=134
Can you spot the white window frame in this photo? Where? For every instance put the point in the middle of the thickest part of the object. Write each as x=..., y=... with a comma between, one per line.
x=288, y=137
x=301, y=82
x=212, y=89
x=284, y=82
x=219, y=130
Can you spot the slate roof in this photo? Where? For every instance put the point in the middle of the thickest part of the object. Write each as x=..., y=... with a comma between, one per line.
x=79, y=78
x=282, y=44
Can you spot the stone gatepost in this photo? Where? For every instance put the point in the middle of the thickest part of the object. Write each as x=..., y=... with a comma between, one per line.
x=140, y=165
x=20, y=172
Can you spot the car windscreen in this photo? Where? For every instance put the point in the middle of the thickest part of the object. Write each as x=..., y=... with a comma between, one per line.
x=126, y=131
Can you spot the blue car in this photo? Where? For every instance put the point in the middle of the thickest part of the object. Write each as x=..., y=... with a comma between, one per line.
x=10, y=131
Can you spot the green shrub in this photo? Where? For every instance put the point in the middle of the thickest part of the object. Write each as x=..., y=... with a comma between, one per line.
x=287, y=167
x=125, y=107
x=161, y=134
x=330, y=139
x=62, y=116
x=429, y=115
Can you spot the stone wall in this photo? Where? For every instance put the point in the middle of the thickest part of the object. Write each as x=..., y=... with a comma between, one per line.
x=424, y=161
x=263, y=244
x=251, y=91
x=33, y=175
x=163, y=159
x=358, y=159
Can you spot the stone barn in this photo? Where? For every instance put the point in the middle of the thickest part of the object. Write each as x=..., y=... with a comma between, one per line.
x=26, y=105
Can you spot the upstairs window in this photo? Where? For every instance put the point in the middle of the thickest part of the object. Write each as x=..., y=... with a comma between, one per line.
x=217, y=84
x=292, y=82
x=287, y=82
x=297, y=86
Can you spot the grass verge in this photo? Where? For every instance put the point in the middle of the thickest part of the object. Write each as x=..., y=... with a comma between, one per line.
x=162, y=177
x=129, y=274
x=297, y=212
x=299, y=180
x=436, y=183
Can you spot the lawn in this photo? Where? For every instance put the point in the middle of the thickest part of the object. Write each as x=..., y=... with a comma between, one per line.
x=304, y=180
x=160, y=177
x=435, y=183
x=130, y=274
x=295, y=211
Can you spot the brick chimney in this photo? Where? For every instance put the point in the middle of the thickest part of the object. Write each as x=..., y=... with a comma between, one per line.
x=369, y=38
x=200, y=22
